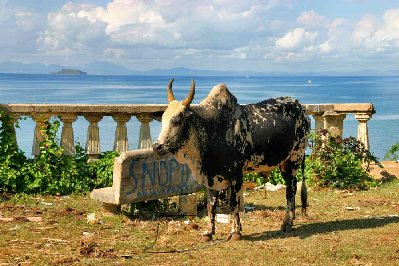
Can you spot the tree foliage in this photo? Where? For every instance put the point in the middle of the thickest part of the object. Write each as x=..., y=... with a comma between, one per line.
x=51, y=172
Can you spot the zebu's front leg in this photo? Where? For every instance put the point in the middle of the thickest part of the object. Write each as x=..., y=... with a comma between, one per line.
x=288, y=170
x=235, y=202
x=212, y=200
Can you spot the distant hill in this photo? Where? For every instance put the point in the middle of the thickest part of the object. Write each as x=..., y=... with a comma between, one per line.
x=106, y=68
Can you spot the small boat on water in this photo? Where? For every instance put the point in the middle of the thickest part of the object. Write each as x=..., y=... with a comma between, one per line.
x=309, y=81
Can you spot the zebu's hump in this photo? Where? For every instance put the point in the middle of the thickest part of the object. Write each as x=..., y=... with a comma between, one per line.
x=219, y=97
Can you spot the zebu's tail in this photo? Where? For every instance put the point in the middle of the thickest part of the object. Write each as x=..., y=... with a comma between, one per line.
x=304, y=190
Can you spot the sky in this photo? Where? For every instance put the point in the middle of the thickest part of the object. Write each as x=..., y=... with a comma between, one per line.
x=254, y=35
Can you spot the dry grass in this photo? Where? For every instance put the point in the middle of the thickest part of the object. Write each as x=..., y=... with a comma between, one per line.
x=343, y=228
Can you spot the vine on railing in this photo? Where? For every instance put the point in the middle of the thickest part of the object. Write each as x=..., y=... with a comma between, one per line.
x=51, y=172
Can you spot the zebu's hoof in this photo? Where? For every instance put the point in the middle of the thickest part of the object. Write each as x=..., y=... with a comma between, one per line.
x=286, y=227
x=206, y=238
x=235, y=237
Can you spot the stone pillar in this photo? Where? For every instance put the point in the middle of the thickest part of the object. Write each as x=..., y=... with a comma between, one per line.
x=319, y=122
x=145, y=133
x=334, y=123
x=121, y=141
x=67, y=137
x=93, y=137
x=40, y=120
x=362, y=129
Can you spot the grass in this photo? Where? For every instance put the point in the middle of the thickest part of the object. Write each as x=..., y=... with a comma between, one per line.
x=342, y=228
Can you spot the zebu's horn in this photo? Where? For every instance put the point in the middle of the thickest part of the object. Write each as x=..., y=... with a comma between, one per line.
x=171, y=97
x=190, y=96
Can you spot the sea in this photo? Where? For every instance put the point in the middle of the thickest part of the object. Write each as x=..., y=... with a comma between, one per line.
x=382, y=91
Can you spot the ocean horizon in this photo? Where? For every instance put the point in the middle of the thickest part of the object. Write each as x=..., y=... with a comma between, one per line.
x=381, y=91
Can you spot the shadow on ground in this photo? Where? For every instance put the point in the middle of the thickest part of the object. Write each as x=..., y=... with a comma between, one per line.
x=307, y=230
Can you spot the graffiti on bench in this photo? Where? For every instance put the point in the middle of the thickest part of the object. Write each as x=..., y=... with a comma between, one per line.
x=159, y=178
x=141, y=175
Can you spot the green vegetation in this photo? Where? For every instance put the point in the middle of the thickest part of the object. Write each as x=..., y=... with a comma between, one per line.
x=339, y=163
x=51, y=172
x=334, y=162
x=393, y=153
x=273, y=177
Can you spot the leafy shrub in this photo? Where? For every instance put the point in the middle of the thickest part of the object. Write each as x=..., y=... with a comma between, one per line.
x=334, y=162
x=393, y=153
x=273, y=177
x=51, y=172
x=339, y=163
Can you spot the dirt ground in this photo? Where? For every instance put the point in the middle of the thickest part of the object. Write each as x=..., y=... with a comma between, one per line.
x=342, y=228
x=389, y=171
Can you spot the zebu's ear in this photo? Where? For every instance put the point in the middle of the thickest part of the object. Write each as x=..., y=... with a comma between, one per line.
x=171, y=97
x=190, y=96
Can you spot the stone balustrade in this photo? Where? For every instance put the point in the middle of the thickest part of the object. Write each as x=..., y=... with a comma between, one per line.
x=331, y=117
x=328, y=116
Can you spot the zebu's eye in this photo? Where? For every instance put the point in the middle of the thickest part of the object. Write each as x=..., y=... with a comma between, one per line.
x=177, y=119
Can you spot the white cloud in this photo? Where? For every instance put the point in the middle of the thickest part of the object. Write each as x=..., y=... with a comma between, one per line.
x=202, y=34
x=311, y=18
x=295, y=39
x=378, y=35
x=364, y=28
x=325, y=47
x=69, y=31
x=120, y=13
x=19, y=26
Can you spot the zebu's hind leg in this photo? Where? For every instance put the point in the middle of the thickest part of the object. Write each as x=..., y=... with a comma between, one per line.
x=235, y=202
x=212, y=200
x=288, y=170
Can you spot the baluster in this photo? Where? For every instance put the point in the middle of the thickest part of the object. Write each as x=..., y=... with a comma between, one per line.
x=121, y=141
x=93, y=137
x=145, y=132
x=362, y=129
x=40, y=120
x=67, y=136
x=334, y=122
x=319, y=122
x=13, y=119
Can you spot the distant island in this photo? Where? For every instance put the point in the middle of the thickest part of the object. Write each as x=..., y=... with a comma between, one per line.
x=66, y=71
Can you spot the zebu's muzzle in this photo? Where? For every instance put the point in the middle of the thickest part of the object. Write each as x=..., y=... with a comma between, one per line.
x=159, y=148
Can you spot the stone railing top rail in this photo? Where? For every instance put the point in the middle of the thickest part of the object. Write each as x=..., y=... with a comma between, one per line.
x=340, y=108
x=83, y=108
x=157, y=109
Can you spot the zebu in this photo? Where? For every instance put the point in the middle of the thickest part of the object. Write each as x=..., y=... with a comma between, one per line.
x=221, y=140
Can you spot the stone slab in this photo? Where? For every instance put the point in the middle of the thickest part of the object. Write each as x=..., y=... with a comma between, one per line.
x=142, y=175
x=188, y=204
